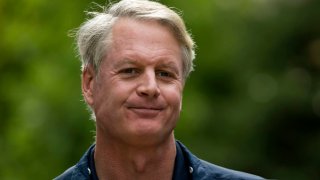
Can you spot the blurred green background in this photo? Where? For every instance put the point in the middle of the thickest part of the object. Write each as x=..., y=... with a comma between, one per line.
x=253, y=103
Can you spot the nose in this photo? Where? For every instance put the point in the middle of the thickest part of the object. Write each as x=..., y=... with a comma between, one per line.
x=148, y=86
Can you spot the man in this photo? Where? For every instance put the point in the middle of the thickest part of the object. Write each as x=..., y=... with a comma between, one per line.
x=136, y=57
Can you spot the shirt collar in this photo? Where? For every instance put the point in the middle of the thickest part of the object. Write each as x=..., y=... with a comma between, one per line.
x=181, y=165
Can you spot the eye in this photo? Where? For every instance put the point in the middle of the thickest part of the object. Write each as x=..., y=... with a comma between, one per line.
x=129, y=71
x=165, y=74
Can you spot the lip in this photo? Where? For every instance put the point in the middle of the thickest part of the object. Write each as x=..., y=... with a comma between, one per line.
x=145, y=112
x=146, y=107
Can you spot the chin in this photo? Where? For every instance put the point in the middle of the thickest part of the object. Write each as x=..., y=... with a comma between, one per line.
x=151, y=141
x=147, y=132
x=150, y=136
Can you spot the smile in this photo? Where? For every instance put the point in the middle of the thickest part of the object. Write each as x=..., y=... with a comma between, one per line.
x=145, y=112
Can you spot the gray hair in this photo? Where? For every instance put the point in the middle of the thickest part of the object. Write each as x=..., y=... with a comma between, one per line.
x=94, y=36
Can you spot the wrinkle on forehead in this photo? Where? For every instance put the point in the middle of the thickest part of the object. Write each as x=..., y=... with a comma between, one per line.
x=135, y=40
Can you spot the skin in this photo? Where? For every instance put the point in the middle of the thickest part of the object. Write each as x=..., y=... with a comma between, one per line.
x=136, y=98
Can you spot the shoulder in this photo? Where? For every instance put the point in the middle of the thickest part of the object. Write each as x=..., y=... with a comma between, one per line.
x=80, y=171
x=203, y=170
x=66, y=174
x=74, y=173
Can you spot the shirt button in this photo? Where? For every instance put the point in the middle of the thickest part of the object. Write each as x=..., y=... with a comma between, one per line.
x=190, y=170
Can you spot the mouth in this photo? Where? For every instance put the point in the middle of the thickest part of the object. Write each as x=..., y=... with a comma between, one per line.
x=145, y=112
x=146, y=108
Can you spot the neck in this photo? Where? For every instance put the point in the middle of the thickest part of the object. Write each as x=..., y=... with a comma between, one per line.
x=116, y=160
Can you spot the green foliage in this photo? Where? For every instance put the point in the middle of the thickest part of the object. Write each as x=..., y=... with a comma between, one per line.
x=253, y=103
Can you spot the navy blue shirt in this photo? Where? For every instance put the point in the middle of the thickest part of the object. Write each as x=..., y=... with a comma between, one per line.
x=180, y=172
x=187, y=166
x=92, y=167
x=181, y=166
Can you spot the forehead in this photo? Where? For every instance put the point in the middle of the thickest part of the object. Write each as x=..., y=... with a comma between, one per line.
x=145, y=38
x=128, y=28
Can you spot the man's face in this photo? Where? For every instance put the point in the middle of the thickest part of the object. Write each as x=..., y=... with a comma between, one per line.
x=137, y=94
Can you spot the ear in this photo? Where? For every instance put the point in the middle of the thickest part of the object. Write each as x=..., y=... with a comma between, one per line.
x=180, y=108
x=87, y=84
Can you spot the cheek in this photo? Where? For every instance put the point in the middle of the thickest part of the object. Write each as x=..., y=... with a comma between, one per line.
x=118, y=93
x=174, y=98
x=175, y=102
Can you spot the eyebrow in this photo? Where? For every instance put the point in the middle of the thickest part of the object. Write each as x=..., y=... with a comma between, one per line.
x=170, y=65
x=124, y=62
x=161, y=64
